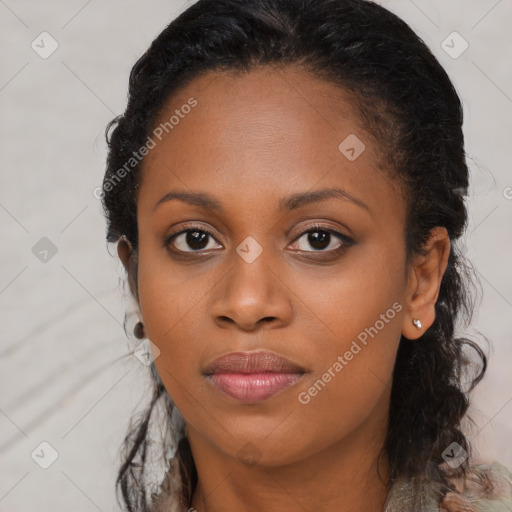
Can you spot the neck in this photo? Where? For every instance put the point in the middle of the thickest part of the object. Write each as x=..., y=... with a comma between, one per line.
x=341, y=477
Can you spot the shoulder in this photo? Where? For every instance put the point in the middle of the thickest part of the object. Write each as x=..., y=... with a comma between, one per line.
x=485, y=488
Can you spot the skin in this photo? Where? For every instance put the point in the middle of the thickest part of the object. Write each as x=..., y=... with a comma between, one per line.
x=252, y=140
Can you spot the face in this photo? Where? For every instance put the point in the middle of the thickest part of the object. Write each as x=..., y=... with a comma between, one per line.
x=300, y=251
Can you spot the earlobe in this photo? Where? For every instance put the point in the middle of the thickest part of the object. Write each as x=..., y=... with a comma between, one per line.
x=424, y=282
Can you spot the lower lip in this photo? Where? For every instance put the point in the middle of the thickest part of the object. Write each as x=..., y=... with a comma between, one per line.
x=253, y=387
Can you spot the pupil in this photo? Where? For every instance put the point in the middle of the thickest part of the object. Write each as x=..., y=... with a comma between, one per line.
x=318, y=239
x=196, y=239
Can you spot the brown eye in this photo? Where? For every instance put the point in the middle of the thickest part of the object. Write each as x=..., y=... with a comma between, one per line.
x=321, y=240
x=192, y=240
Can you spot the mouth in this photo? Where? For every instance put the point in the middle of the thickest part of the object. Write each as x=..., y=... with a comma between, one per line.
x=253, y=376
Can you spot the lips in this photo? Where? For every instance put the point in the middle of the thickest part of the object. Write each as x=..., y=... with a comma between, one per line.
x=252, y=362
x=253, y=376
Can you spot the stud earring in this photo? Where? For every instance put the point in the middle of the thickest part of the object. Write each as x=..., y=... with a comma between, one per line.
x=417, y=323
x=138, y=331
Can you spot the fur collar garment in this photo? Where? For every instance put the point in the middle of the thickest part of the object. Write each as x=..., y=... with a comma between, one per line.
x=486, y=488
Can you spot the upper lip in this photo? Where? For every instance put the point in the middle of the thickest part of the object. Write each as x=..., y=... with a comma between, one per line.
x=252, y=362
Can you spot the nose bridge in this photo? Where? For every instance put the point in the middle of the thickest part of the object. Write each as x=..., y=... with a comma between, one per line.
x=251, y=291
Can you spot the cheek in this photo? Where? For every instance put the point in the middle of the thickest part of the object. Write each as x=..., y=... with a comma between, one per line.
x=169, y=305
x=171, y=314
x=171, y=295
x=361, y=318
x=362, y=298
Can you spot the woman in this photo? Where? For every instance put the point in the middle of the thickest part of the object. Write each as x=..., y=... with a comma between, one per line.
x=286, y=189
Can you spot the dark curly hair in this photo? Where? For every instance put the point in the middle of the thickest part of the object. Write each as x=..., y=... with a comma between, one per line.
x=408, y=104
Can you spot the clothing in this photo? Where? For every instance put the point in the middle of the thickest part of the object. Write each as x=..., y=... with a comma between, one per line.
x=487, y=488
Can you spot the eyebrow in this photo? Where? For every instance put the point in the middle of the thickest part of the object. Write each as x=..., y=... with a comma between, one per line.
x=289, y=203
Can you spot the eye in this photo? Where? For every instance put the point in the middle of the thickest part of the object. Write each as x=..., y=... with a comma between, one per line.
x=322, y=239
x=194, y=239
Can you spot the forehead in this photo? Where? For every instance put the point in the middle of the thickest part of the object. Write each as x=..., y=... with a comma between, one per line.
x=269, y=130
x=263, y=103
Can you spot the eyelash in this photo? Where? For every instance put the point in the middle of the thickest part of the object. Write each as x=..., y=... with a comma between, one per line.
x=344, y=239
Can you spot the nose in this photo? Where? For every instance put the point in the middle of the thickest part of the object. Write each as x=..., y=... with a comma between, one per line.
x=252, y=295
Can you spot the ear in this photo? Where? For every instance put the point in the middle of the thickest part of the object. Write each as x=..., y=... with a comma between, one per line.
x=424, y=281
x=129, y=260
x=124, y=251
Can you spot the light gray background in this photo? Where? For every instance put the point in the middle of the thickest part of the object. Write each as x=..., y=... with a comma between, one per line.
x=64, y=378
